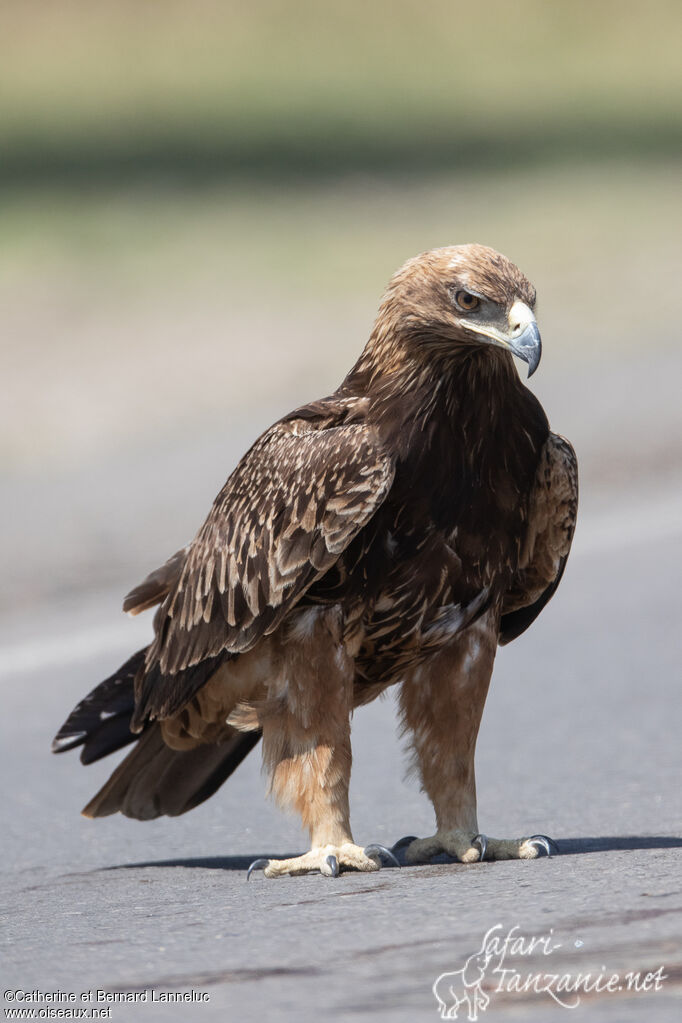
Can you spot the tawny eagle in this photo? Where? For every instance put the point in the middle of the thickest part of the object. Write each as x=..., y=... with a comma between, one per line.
x=392, y=533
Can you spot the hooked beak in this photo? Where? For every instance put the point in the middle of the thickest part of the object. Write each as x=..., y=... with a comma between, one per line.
x=528, y=346
x=522, y=338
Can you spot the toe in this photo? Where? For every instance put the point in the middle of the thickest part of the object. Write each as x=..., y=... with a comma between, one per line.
x=423, y=849
x=470, y=855
x=461, y=845
x=330, y=867
x=257, y=865
x=468, y=848
x=374, y=851
x=403, y=842
x=481, y=842
x=329, y=860
x=306, y=864
x=356, y=858
x=399, y=847
x=536, y=845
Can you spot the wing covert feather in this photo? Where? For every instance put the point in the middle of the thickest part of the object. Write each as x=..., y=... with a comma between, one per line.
x=551, y=524
x=290, y=508
x=156, y=586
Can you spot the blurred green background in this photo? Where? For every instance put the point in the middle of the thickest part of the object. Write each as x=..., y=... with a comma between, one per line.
x=135, y=90
x=200, y=204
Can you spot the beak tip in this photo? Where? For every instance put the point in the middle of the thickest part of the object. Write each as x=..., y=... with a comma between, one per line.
x=529, y=348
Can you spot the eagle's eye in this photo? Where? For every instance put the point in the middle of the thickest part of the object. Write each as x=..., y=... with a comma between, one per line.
x=467, y=302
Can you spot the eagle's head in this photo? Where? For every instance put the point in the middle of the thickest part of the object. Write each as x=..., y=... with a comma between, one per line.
x=464, y=295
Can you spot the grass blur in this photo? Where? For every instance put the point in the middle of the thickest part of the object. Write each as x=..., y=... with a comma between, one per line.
x=154, y=312
x=121, y=90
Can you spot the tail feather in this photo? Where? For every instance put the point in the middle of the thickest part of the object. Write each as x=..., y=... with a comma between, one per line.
x=101, y=721
x=155, y=780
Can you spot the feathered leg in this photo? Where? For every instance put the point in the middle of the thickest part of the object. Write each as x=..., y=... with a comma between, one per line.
x=306, y=743
x=441, y=704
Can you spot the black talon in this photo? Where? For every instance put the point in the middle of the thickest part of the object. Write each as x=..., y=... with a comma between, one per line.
x=377, y=850
x=333, y=865
x=482, y=842
x=543, y=842
x=256, y=865
x=402, y=842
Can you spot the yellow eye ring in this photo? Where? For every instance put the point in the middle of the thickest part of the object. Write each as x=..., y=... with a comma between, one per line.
x=466, y=301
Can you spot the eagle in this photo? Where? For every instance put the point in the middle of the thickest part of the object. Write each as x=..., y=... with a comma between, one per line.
x=390, y=534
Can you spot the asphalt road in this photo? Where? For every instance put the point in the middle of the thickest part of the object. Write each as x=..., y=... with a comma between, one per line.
x=580, y=740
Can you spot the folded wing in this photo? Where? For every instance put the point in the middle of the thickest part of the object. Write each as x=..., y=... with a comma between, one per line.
x=551, y=524
x=291, y=507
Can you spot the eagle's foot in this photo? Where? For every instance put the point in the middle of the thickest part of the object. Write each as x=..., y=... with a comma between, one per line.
x=329, y=860
x=472, y=848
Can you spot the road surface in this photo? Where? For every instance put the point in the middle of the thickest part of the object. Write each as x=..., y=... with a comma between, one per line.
x=580, y=740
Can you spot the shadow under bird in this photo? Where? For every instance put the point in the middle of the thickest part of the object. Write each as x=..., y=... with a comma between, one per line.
x=391, y=534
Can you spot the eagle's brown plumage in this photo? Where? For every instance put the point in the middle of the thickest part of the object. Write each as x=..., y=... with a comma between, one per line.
x=392, y=533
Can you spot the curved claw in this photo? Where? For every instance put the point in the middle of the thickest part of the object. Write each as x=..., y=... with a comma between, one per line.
x=333, y=865
x=379, y=850
x=402, y=842
x=482, y=842
x=256, y=865
x=543, y=842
